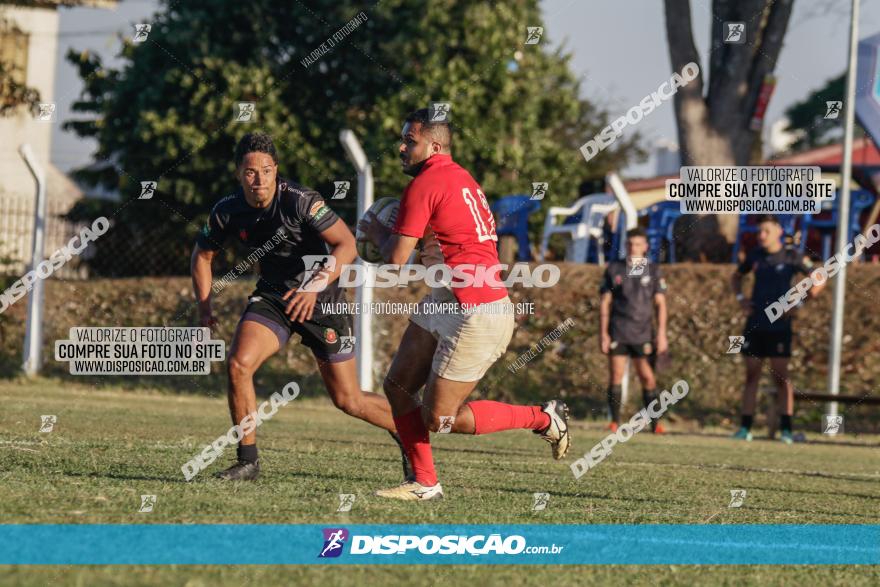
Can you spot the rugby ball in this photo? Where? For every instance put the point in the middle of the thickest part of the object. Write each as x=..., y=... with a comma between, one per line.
x=385, y=209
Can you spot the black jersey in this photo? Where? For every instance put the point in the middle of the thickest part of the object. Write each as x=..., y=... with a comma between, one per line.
x=632, y=289
x=285, y=231
x=773, y=275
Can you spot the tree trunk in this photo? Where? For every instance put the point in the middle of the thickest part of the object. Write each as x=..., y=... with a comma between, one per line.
x=714, y=126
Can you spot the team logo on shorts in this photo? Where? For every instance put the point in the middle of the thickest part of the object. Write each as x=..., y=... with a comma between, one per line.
x=330, y=335
x=334, y=540
x=647, y=348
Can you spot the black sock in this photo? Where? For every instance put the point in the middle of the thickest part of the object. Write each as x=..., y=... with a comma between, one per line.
x=747, y=421
x=648, y=396
x=615, y=393
x=247, y=453
x=785, y=423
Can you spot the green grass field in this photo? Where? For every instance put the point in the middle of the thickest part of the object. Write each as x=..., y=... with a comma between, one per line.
x=109, y=447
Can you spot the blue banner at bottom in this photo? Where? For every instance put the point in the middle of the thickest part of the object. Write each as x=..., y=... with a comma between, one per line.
x=650, y=544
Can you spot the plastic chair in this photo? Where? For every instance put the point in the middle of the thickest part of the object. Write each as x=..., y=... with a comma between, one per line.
x=584, y=222
x=788, y=222
x=512, y=219
x=661, y=221
x=826, y=225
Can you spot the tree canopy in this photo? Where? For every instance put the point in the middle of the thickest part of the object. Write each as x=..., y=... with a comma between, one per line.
x=168, y=112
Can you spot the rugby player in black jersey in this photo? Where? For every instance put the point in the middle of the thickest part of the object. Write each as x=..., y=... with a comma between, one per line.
x=774, y=266
x=287, y=221
x=632, y=289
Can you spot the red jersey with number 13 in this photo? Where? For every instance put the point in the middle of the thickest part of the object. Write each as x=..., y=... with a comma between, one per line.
x=444, y=197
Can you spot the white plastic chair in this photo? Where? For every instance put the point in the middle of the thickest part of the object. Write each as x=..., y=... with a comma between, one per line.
x=593, y=208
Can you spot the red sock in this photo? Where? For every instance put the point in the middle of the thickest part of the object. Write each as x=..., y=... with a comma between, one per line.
x=414, y=437
x=492, y=416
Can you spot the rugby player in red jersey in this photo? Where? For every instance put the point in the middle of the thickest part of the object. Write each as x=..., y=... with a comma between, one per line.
x=448, y=353
x=287, y=221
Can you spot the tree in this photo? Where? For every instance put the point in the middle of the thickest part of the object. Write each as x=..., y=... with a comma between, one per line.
x=714, y=112
x=167, y=113
x=806, y=119
x=13, y=91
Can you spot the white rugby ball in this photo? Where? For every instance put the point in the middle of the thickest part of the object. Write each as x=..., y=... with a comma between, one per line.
x=385, y=209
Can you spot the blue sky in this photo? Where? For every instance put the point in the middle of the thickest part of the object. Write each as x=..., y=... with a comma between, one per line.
x=619, y=49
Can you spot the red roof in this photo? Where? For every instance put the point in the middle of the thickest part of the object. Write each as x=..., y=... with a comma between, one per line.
x=864, y=153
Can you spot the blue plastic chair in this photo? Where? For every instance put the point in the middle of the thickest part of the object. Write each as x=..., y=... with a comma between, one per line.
x=860, y=200
x=512, y=219
x=661, y=220
x=788, y=222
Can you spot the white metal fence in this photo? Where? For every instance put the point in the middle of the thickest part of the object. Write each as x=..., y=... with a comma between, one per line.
x=16, y=234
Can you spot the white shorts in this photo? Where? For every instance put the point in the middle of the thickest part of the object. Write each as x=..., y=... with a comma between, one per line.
x=467, y=343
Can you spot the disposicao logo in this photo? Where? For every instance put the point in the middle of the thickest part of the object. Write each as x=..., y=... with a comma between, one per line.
x=334, y=540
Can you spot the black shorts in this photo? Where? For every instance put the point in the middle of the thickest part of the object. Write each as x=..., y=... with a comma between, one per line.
x=767, y=344
x=637, y=350
x=329, y=336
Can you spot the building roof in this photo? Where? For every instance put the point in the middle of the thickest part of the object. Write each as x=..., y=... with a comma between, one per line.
x=864, y=152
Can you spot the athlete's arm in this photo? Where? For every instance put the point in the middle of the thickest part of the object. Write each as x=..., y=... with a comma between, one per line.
x=343, y=249
x=200, y=268
x=394, y=248
x=604, y=321
x=736, y=286
x=660, y=305
x=817, y=288
x=398, y=248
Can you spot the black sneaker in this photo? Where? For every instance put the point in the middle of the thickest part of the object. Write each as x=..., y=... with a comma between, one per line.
x=241, y=471
x=408, y=474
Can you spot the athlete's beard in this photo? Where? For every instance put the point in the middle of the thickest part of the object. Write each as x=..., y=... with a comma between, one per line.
x=413, y=170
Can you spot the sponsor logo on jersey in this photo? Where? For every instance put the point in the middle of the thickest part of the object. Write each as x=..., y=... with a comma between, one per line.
x=318, y=210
